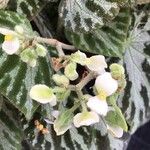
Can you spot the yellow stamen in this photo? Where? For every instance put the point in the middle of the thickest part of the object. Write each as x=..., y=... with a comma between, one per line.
x=8, y=37
x=102, y=95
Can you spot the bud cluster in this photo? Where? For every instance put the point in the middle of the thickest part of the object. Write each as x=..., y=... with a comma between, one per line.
x=18, y=42
x=89, y=107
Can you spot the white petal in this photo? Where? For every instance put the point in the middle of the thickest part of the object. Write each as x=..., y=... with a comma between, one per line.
x=43, y=94
x=53, y=101
x=115, y=131
x=11, y=47
x=106, y=83
x=85, y=119
x=97, y=105
x=96, y=63
x=5, y=31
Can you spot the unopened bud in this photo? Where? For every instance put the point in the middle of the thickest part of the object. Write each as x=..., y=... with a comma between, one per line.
x=117, y=71
x=121, y=84
x=19, y=29
x=29, y=56
x=41, y=50
x=60, y=80
x=70, y=71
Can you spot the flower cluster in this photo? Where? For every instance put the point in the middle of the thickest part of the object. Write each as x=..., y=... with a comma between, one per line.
x=89, y=107
x=19, y=42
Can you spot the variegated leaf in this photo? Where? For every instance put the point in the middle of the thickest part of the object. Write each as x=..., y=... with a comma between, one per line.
x=109, y=40
x=16, y=78
x=28, y=7
x=87, y=15
x=136, y=98
x=10, y=128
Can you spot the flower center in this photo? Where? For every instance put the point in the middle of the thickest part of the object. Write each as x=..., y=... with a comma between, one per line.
x=8, y=37
x=102, y=95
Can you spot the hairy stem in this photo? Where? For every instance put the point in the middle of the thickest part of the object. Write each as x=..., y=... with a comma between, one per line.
x=86, y=80
x=54, y=43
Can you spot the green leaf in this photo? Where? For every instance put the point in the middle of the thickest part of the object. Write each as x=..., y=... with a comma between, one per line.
x=10, y=19
x=109, y=40
x=136, y=98
x=63, y=122
x=87, y=15
x=10, y=128
x=16, y=78
x=116, y=118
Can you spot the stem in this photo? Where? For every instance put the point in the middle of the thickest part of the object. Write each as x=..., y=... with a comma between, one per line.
x=140, y=2
x=85, y=81
x=54, y=43
x=75, y=107
x=84, y=107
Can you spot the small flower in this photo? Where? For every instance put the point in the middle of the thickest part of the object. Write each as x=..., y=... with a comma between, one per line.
x=19, y=29
x=29, y=56
x=116, y=131
x=79, y=57
x=106, y=84
x=11, y=42
x=96, y=63
x=98, y=105
x=41, y=50
x=70, y=71
x=61, y=80
x=85, y=119
x=117, y=71
x=43, y=94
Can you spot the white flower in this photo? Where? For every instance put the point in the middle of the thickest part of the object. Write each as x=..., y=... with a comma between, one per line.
x=96, y=63
x=106, y=84
x=43, y=94
x=116, y=131
x=85, y=119
x=98, y=105
x=79, y=58
x=11, y=42
x=6, y=31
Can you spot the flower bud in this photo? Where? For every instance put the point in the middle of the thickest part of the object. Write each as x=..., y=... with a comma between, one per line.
x=70, y=71
x=116, y=71
x=19, y=29
x=79, y=57
x=60, y=80
x=121, y=84
x=29, y=56
x=41, y=50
